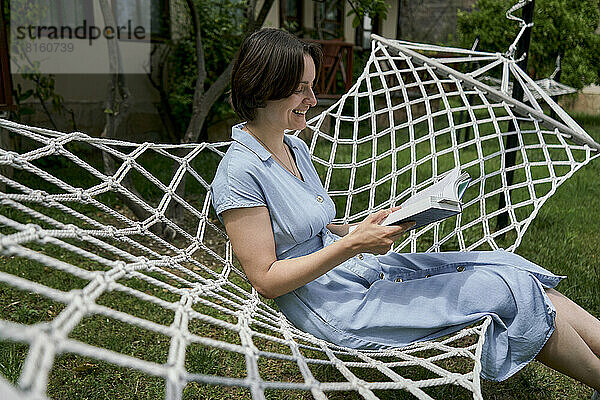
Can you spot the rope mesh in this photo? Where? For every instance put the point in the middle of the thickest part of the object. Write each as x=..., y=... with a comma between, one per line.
x=401, y=127
x=418, y=111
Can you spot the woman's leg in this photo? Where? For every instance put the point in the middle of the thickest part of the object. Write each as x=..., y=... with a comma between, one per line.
x=586, y=325
x=568, y=353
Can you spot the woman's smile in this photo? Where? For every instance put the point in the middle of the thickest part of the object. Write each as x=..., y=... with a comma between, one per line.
x=290, y=112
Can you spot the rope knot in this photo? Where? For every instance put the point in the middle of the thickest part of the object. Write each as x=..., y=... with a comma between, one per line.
x=36, y=231
x=143, y=260
x=38, y=196
x=114, y=232
x=81, y=301
x=54, y=146
x=74, y=229
x=82, y=196
x=141, y=229
x=158, y=215
x=13, y=158
x=111, y=183
x=121, y=266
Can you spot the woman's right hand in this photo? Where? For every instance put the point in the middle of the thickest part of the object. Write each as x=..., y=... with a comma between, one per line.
x=371, y=237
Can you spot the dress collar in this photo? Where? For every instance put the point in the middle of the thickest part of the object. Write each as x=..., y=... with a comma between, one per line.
x=247, y=140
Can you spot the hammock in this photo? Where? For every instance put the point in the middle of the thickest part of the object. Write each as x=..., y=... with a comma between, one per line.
x=396, y=131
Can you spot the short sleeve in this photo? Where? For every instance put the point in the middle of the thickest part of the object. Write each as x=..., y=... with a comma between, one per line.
x=235, y=187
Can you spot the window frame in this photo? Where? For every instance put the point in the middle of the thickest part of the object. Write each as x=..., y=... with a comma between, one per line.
x=88, y=15
x=165, y=8
x=6, y=99
x=283, y=18
x=337, y=5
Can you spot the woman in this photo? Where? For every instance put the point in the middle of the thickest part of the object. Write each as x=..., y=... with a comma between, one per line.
x=348, y=288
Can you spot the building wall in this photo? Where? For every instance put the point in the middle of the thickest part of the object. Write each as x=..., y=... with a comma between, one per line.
x=432, y=21
x=586, y=101
x=389, y=27
x=272, y=20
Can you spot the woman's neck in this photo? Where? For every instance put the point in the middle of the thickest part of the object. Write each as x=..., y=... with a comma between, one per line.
x=267, y=134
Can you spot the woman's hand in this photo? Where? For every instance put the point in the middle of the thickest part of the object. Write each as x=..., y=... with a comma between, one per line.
x=371, y=237
x=249, y=230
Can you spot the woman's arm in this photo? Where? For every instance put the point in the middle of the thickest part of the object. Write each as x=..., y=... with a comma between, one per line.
x=249, y=230
x=339, y=229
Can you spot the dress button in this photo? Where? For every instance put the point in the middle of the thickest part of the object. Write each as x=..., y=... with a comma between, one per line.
x=360, y=256
x=460, y=268
x=428, y=276
x=381, y=276
x=320, y=199
x=398, y=280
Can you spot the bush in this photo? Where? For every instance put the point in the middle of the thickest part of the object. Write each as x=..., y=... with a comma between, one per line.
x=563, y=27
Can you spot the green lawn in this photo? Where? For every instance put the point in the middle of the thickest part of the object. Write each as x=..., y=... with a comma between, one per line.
x=564, y=238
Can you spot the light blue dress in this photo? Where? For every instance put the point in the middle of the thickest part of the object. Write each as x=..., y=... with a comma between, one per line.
x=391, y=300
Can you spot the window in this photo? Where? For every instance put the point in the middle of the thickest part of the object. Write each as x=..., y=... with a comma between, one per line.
x=136, y=12
x=5, y=77
x=69, y=13
x=329, y=19
x=363, y=31
x=291, y=15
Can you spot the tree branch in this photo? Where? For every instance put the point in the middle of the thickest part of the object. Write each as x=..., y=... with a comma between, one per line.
x=164, y=107
x=360, y=18
x=203, y=101
x=200, y=63
x=117, y=104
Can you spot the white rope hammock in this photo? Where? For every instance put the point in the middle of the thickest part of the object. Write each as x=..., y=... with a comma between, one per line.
x=396, y=131
x=548, y=85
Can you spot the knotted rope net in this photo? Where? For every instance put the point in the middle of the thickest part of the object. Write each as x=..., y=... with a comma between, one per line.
x=118, y=243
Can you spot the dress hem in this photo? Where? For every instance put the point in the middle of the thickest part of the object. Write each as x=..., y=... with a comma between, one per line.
x=519, y=367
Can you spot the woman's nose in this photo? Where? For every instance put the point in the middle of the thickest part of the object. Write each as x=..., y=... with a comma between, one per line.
x=310, y=98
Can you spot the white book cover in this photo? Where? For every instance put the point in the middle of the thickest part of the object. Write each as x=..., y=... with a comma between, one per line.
x=438, y=201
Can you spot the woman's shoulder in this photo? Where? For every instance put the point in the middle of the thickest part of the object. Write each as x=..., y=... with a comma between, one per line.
x=238, y=161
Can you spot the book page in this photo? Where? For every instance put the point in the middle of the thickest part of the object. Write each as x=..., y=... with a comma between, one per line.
x=444, y=188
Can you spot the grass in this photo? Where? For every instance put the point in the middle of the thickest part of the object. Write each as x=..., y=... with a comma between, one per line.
x=561, y=238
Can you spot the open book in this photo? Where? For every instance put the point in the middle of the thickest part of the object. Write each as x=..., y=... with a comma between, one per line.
x=438, y=201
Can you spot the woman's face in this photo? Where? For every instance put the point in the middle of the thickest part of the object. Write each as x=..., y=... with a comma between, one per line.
x=290, y=113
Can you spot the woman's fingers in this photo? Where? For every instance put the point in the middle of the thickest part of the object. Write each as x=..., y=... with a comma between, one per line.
x=400, y=229
x=379, y=239
x=380, y=215
x=408, y=225
x=377, y=217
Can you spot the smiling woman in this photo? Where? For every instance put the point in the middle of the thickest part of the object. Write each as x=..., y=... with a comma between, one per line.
x=348, y=287
x=273, y=66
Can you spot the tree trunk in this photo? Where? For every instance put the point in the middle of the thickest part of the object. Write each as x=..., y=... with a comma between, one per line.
x=117, y=109
x=6, y=143
x=204, y=100
x=118, y=103
x=164, y=107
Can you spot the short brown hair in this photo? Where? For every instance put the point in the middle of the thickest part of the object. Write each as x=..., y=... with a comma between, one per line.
x=269, y=66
